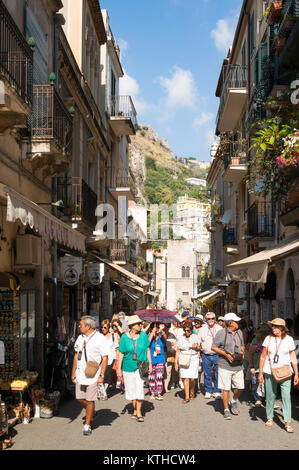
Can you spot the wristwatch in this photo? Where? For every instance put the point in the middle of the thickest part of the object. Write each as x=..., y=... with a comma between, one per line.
x=101, y=375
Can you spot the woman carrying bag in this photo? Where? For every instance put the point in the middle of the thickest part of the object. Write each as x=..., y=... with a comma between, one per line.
x=157, y=337
x=133, y=355
x=276, y=359
x=187, y=359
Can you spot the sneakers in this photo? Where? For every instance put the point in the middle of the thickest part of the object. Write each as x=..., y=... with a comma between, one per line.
x=208, y=395
x=258, y=403
x=234, y=407
x=227, y=414
x=217, y=396
x=87, y=430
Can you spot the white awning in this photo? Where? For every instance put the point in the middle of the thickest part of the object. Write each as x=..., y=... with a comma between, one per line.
x=124, y=272
x=203, y=294
x=212, y=295
x=255, y=267
x=46, y=224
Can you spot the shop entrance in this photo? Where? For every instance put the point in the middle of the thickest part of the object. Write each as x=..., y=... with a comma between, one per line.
x=27, y=330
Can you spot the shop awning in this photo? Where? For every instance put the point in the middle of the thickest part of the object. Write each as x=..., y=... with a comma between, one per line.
x=46, y=224
x=204, y=294
x=124, y=272
x=209, y=298
x=255, y=267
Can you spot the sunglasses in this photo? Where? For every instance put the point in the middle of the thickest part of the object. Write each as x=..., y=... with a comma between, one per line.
x=211, y=318
x=189, y=330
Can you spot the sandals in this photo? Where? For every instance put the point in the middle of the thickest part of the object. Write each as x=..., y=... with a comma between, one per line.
x=140, y=419
x=269, y=423
x=133, y=416
x=289, y=428
x=186, y=401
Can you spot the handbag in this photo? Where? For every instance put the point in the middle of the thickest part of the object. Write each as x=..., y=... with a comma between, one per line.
x=282, y=373
x=142, y=366
x=91, y=366
x=184, y=360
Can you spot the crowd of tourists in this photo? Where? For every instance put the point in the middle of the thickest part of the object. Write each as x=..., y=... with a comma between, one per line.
x=141, y=358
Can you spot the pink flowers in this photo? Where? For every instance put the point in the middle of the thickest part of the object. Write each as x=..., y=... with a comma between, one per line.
x=287, y=161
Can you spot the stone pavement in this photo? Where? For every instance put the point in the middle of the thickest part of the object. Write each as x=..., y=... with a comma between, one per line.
x=168, y=425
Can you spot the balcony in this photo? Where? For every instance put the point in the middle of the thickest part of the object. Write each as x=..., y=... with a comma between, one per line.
x=120, y=185
x=119, y=252
x=50, y=128
x=289, y=34
x=233, y=97
x=289, y=209
x=230, y=240
x=122, y=115
x=261, y=220
x=235, y=165
x=80, y=202
x=16, y=74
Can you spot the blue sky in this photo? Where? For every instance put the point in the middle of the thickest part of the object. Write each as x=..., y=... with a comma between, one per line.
x=172, y=51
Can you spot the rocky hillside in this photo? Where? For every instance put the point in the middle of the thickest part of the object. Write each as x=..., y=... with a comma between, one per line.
x=152, y=163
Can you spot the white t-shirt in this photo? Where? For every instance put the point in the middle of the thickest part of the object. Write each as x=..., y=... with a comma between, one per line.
x=112, y=344
x=282, y=347
x=96, y=348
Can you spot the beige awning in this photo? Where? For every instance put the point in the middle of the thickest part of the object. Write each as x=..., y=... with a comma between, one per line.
x=203, y=294
x=47, y=225
x=208, y=298
x=124, y=272
x=255, y=267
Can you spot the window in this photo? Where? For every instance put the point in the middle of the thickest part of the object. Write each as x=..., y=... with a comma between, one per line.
x=252, y=32
x=185, y=271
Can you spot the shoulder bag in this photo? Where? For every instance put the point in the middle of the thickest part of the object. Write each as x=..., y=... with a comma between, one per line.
x=142, y=365
x=185, y=360
x=237, y=357
x=91, y=366
x=282, y=373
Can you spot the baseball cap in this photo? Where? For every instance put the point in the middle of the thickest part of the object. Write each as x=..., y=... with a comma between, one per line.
x=231, y=317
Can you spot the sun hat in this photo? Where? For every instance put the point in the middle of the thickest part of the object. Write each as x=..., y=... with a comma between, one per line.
x=232, y=317
x=220, y=318
x=277, y=322
x=198, y=317
x=133, y=320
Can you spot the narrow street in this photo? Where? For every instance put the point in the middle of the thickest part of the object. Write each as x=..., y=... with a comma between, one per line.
x=168, y=425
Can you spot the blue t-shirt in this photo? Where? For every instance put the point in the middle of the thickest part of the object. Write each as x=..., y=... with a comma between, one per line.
x=159, y=357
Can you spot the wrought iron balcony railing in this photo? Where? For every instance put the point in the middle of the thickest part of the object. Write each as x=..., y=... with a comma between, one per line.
x=230, y=236
x=234, y=77
x=50, y=118
x=261, y=220
x=80, y=201
x=16, y=56
x=122, y=106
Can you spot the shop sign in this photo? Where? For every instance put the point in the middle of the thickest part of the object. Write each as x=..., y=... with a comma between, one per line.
x=71, y=268
x=95, y=273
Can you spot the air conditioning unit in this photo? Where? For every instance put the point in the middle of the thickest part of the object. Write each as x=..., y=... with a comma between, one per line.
x=28, y=251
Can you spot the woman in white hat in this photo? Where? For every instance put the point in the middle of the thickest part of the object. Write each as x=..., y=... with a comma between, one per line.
x=279, y=349
x=133, y=346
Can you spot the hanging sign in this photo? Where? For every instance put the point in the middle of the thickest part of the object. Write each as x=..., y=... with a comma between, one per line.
x=95, y=273
x=71, y=268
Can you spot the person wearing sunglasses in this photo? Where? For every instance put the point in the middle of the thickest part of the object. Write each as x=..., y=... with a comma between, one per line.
x=187, y=360
x=209, y=358
x=112, y=345
x=134, y=345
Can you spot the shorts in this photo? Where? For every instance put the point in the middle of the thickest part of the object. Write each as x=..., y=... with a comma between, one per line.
x=228, y=379
x=87, y=392
x=133, y=385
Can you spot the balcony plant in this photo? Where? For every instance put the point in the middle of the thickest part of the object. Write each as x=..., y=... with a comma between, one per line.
x=275, y=138
x=273, y=13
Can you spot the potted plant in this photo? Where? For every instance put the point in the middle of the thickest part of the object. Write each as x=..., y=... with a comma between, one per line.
x=273, y=12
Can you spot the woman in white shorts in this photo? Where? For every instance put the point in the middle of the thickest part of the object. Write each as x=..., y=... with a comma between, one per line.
x=187, y=351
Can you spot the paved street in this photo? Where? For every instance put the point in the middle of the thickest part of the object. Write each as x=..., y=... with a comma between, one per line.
x=168, y=425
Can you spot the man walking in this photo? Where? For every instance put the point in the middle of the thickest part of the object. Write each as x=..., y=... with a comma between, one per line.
x=209, y=358
x=90, y=346
x=229, y=344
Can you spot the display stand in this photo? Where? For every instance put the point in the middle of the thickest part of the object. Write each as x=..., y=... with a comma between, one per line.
x=9, y=336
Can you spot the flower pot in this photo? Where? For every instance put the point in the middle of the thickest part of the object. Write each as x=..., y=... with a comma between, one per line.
x=235, y=161
x=274, y=13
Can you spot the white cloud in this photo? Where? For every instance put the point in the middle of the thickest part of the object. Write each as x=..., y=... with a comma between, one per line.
x=123, y=47
x=223, y=34
x=180, y=88
x=204, y=118
x=129, y=86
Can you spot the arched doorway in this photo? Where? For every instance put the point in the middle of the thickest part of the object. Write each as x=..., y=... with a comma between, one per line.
x=290, y=296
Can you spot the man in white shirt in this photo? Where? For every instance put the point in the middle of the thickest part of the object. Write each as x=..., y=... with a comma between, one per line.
x=206, y=337
x=90, y=346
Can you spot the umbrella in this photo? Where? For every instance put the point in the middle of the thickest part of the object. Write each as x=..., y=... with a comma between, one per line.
x=157, y=315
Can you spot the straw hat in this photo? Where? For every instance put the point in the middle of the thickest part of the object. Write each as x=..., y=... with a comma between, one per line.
x=133, y=320
x=277, y=322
